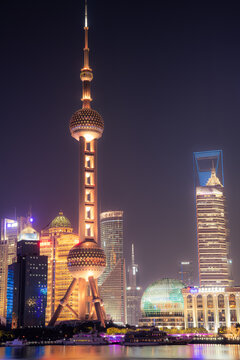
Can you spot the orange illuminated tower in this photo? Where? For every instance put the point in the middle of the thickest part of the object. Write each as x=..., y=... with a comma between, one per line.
x=86, y=260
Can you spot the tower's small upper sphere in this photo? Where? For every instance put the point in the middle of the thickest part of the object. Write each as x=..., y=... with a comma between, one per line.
x=86, y=259
x=86, y=122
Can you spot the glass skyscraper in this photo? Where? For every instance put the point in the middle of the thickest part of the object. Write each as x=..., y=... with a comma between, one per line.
x=111, y=234
x=10, y=231
x=27, y=286
x=185, y=272
x=113, y=281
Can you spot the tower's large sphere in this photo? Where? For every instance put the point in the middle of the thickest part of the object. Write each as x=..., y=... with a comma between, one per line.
x=86, y=259
x=86, y=122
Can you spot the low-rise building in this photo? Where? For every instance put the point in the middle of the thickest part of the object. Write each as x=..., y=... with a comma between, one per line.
x=211, y=307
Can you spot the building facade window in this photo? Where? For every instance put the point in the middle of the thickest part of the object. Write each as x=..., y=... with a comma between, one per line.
x=221, y=301
x=233, y=316
x=199, y=301
x=222, y=317
x=232, y=301
x=210, y=301
x=189, y=301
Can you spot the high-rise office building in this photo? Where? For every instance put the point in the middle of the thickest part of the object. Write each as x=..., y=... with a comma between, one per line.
x=113, y=293
x=185, y=272
x=86, y=260
x=212, y=225
x=10, y=230
x=134, y=293
x=111, y=235
x=56, y=241
x=114, y=276
x=27, y=285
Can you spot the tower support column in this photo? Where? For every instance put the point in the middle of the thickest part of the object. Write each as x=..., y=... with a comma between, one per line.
x=95, y=215
x=81, y=211
x=82, y=296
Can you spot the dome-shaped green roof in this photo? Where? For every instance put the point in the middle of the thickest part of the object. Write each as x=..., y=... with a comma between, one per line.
x=60, y=221
x=163, y=296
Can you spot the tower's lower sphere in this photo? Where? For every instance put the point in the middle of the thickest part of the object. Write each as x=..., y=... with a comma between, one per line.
x=86, y=259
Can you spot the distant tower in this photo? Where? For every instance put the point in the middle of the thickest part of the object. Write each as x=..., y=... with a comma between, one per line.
x=185, y=272
x=134, y=293
x=212, y=223
x=133, y=270
x=113, y=281
x=86, y=261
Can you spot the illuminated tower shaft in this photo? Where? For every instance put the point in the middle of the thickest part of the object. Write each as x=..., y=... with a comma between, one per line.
x=88, y=219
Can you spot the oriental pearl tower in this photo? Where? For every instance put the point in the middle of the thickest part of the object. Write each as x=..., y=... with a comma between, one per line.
x=86, y=261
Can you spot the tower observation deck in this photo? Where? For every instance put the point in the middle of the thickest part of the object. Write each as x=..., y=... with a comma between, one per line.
x=86, y=260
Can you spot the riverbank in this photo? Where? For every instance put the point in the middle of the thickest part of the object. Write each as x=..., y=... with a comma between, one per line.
x=140, y=344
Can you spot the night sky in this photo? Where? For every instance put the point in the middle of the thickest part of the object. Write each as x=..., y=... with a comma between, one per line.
x=167, y=83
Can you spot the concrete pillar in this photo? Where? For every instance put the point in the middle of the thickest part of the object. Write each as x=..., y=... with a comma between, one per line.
x=81, y=210
x=227, y=309
x=216, y=317
x=185, y=311
x=82, y=296
x=194, y=309
x=95, y=227
x=238, y=307
x=205, y=309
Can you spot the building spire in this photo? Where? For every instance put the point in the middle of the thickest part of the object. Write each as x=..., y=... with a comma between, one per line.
x=133, y=260
x=86, y=74
x=86, y=22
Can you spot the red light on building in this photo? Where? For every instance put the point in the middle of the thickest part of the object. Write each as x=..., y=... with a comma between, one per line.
x=45, y=243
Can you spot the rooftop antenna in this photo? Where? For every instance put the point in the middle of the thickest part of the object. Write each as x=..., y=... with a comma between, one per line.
x=133, y=260
x=86, y=20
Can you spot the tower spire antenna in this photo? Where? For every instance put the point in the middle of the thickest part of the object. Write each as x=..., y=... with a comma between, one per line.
x=133, y=260
x=86, y=19
x=86, y=74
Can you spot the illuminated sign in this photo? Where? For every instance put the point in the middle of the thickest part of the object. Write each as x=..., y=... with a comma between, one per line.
x=111, y=214
x=12, y=224
x=193, y=290
x=212, y=289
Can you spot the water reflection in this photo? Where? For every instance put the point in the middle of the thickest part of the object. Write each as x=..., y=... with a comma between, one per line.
x=116, y=352
x=29, y=352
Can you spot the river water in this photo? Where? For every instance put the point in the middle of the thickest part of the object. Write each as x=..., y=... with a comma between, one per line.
x=118, y=352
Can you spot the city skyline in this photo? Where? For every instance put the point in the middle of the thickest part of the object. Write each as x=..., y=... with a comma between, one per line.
x=203, y=103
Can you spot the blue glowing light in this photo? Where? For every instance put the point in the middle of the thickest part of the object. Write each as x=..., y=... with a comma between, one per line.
x=43, y=291
x=193, y=290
